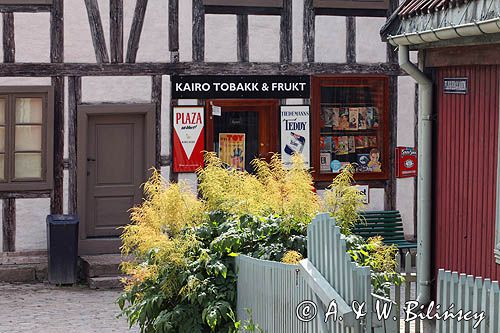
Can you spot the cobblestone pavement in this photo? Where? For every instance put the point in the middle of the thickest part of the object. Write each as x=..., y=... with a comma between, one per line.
x=42, y=308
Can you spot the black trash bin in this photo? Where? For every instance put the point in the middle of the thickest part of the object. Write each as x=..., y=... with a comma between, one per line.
x=62, y=246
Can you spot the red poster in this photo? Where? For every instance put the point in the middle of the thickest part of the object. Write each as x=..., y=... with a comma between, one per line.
x=189, y=138
x=406, y=165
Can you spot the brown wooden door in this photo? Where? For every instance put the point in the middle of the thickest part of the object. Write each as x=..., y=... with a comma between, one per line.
x=115, y=171
x=116, y=150
x=257, y=119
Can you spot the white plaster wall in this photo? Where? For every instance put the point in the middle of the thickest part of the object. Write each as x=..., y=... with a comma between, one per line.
x=369, y=47
x=330, y=43
x=405, y=187
x=32, y=45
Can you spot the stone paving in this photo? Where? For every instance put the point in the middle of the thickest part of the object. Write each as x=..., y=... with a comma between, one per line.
x=43, y=308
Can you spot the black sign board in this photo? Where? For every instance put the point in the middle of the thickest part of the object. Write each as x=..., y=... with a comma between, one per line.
x=236, y=86
x=455, y=85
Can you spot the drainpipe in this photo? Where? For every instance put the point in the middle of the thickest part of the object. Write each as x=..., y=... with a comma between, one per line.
x=424, y=193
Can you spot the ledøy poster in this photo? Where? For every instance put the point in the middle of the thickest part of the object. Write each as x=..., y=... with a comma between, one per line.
x=295, y=136
x=189, y=138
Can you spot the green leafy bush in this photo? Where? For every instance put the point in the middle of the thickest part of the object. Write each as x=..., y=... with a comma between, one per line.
x=184, y=278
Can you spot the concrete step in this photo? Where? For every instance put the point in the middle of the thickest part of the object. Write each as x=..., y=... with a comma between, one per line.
x=101, y=265
x=23, y=273
x=106, y=282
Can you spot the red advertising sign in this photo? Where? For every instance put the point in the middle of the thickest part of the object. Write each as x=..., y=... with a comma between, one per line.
x=189, y=138
x=406, y=165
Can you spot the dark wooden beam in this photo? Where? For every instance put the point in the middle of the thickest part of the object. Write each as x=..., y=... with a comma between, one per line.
x=56, y=200
x=242, y=10
x=97, y=31
x=25, y=8
x=189, y=68
x=286, y=26
x=350, y=39
x=156, y=91
x=9, y=225
x=390, y=188
x=309, y=32
x=25, y=195
x=116, y=30
x=136, y=30
x=242, y=37
x=57, y=31
x=74, y=99
x=173, y=30
x=9, y=43
x=198, y=31
x=392, y=54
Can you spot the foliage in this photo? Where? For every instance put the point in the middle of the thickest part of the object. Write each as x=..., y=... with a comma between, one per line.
x=183, y=278
x=344, y=201
x=379, y=257
x=272, y=190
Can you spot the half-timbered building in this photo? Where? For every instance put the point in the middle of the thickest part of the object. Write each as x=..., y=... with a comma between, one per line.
x=86, y=103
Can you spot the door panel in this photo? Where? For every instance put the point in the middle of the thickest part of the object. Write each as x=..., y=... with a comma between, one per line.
x=115, y=171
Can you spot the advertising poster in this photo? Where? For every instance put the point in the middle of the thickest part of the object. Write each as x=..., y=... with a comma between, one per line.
x=295, y=136
x=189, y=138
x=406, y=165
x=232, y=149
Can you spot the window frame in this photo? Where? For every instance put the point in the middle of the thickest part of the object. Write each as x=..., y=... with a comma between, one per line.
x=45, y=182
x=329, y=80
x=249, y=7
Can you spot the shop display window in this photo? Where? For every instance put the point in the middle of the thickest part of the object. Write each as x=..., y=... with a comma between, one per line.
x=351, y=126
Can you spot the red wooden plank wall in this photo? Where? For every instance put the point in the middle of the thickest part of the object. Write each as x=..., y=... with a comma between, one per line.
x=465, y=173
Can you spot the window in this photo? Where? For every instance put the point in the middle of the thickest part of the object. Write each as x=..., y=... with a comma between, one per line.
x=26, y=117
x=350, y=126
x=351, y=7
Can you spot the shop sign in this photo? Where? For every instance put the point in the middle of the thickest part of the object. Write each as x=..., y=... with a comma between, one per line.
x=240, y=86
x=232, y=150
x=406, y=165
x=295, y=137
x=455, y=85
x=189, y=138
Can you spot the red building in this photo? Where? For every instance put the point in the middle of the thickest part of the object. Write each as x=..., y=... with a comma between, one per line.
x=458, y=73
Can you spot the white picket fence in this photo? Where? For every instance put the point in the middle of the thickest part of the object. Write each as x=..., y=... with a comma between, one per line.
x=277, y=294
x=406, y=291
x=468, y=293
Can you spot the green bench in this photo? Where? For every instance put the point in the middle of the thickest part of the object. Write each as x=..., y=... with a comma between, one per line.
x=387, y=224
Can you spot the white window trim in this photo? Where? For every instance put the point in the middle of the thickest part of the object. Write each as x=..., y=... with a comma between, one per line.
x=497, y=229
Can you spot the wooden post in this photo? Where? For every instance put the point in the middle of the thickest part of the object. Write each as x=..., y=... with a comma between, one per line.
x=173, y=30
x=74, y=99
x=116, y=30
x=57, y=31
x=9, y=225
x=96, y=30
x=309, y=32
x=390, y=187
x=286, y=27
x=198, y=31
x=136, y=30
x=9, y=43
x=156, y=93
x=57, y=56
x=350, y=40
x=242, y=36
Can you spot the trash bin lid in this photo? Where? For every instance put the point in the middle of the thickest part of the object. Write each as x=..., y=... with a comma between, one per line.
x=62, y=219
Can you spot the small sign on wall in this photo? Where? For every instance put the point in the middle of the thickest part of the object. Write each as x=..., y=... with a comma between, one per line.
x=189, y=138
x=365, y=190
x=407, y=161
x=295, y=138
x=456, y=85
